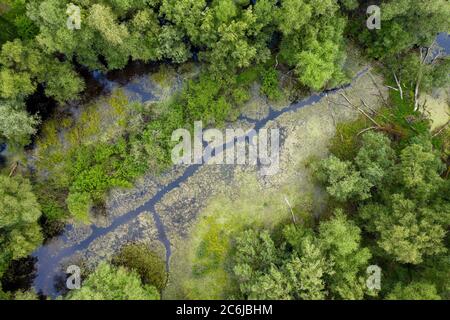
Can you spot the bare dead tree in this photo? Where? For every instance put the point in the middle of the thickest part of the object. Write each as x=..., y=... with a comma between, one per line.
x=360, y=110
x=399, y=85
x=13, y=168
x=380, y=94
x=292, y=211
x=423, y=61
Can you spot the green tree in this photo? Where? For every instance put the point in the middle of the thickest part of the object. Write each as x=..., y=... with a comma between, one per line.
x=302, y=264
x=79, y=205
x=307, y=269
x=343, y=182
x=313, y=40
x=406, y=230
x=375, y=158
x=404, y=26
x=19, y=213
x=256, y=268
x=404, y=203
x=23, y=65
x=414, y=291
x=341, y=240
x=16, y=125
x=113, y=283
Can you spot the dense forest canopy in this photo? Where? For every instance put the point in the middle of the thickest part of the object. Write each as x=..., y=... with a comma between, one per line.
x=388, y=189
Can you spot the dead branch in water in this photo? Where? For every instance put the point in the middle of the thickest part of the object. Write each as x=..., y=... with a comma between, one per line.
x=360, y=110
x=366, y=129
x=377, y=126
x=380, y=94
x=441, y=129
x=13, y=168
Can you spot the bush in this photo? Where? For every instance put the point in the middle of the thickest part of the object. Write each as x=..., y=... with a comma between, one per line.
x=149, y=266
x=344, y=144
x=79, y=205
x=270, y=85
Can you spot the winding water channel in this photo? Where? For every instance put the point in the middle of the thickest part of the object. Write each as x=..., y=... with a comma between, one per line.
x=50, y=256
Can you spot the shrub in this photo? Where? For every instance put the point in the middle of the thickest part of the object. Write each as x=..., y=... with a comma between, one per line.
x=270, y=85
x=79, y=205
x=146, y=263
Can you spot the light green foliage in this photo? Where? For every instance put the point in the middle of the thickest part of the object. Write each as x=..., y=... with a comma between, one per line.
x=414, y=291
x=212, y=101
x=420, y=170
x=203, y=101
x=79, y=205
x=144, y=30
x=341, y=238
x=146, y=263
x=25, y=295
x=313, y=40
x=256, y=267
x=306, y=273
x=342, y=179
x=97, y=169
x=270, y=84
x=16, y=125
x=19, y=213
x=305, y=265
x=412, y=223
x=407, y=230
x=23, y=66
x=88, y=157
x=226, y=27
x=15, y=85
x=113, y=283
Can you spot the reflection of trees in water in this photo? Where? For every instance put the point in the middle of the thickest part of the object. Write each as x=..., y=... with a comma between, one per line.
x=59, y=282
x=20, y=274
x=2, y=161
x=51, y=228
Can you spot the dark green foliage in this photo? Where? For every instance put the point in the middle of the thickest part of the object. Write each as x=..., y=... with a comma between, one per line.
x=404, y=24
x=406, y=213
x=14, y=23
x=403, y=192
x=146, y=263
